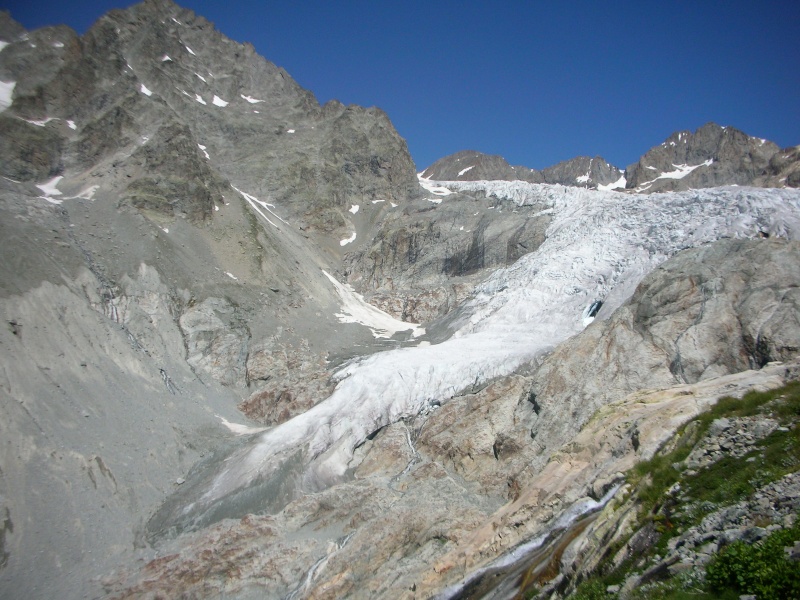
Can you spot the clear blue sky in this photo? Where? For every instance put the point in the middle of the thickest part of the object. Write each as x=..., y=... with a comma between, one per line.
x=537, y=82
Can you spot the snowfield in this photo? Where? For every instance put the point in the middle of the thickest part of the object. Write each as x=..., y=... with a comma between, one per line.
x=599, y=246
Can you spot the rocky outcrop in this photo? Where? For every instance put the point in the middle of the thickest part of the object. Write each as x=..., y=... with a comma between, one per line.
x=783, y=169
x=583, y=171
x=696, y=529
x=285, y=380
x=216, y=340
x=711, y=156
x=151, y=93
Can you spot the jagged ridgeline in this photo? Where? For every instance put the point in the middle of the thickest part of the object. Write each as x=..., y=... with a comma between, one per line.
x=248, y=352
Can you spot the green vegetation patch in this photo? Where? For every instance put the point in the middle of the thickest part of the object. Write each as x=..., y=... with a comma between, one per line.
x=762, y=569
x=672, y=499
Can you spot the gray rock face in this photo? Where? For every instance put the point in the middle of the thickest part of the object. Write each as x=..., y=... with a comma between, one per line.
x=216, y=340
x=709, y=157
x=470, y=165
x=783, y=168
x=420, y=264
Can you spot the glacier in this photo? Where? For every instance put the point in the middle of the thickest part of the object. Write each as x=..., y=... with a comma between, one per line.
x=598, y=247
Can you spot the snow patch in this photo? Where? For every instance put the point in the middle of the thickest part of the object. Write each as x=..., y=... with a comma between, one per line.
x=618, y=184
x=434, y=200
x=87, y=194
x=41, y=123
x=250, y=99
x=55, y=45
x=189, y=49
x=72, y=125
x=682, y=171
x=217, y=101
x=357, y=310
x=6, y=94
x=239, y=429
x=145, y=91
x=203, y=148
x=290, y=131
x=432, y=187
x=583, y=178
x=50, y=189
x=3, y=45
x=378, y=201
x=166, y=58
x=199, y=98
x=232, y=276
x=255, y=203
x=353, y=209
x=349, y=240
x=201, y=77
x=165, y=229
x=462, y=171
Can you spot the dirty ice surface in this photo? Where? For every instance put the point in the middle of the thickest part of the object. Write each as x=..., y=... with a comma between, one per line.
x=598, y=246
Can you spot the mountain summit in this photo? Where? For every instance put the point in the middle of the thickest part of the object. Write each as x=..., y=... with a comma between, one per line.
x=247, y=351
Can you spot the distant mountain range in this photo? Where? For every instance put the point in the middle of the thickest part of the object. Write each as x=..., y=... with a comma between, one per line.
x=711, y=156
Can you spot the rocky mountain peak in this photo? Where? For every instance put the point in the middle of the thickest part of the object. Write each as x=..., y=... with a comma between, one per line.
x=140, y=70
x=711, y=156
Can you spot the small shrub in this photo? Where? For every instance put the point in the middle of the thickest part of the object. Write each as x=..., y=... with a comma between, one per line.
x=761, y=569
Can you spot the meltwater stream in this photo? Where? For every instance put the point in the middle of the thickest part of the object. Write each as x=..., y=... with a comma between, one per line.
x=532, y=563
x=598, y=247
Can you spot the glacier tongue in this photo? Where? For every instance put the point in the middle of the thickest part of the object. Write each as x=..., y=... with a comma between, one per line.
x=598, y=247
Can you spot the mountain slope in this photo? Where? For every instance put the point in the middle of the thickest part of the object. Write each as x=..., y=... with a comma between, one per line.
x=187, y=238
